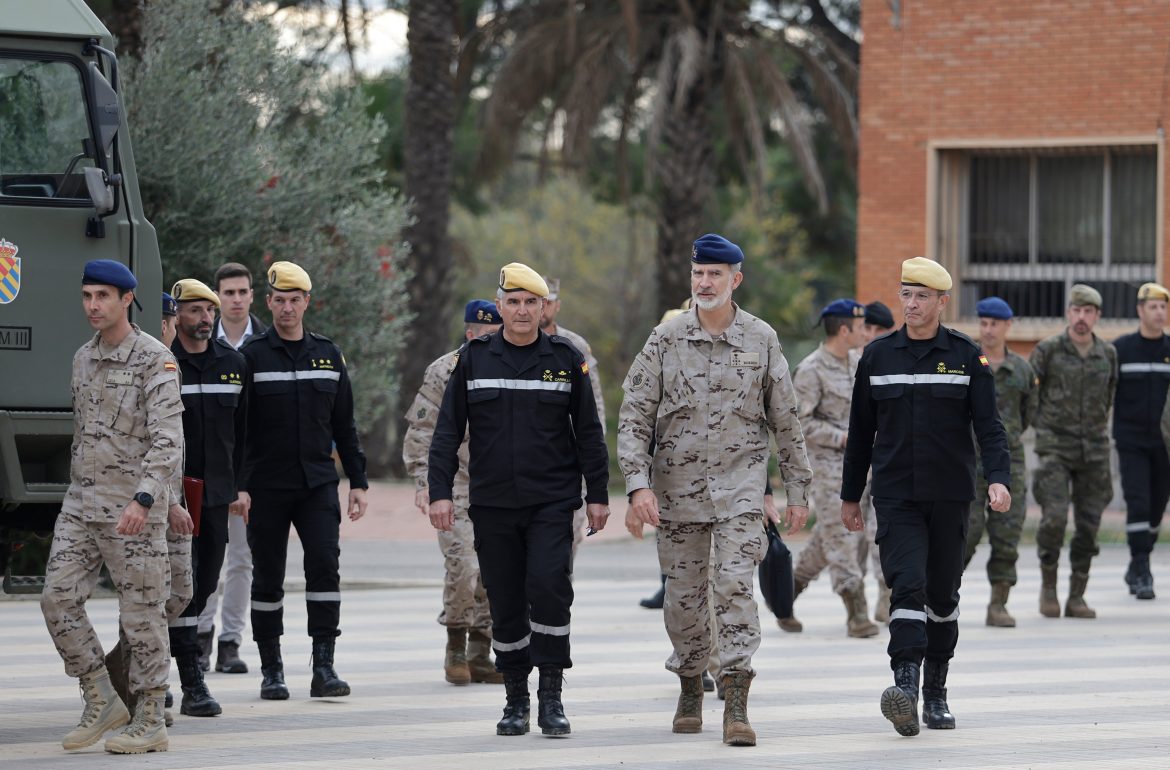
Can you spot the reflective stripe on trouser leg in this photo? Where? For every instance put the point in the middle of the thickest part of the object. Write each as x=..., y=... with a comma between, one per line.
x=502, y=554
x=268, y=530
x=317, y=519
x=1137, y=482
x=548, y=583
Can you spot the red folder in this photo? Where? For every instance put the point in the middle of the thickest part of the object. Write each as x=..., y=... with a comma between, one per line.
x=193, y=494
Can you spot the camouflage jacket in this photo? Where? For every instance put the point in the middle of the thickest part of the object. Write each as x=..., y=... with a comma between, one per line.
x=594, y=378
x=421, y=418
x=824, y=388
x=1016, y=396
x=127, y=427
x=707, y=405
x=1075, y=393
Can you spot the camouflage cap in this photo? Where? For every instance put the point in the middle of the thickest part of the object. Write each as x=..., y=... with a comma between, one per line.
x=1080, y=294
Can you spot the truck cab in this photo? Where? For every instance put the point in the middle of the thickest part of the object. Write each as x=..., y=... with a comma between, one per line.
x=68, y=194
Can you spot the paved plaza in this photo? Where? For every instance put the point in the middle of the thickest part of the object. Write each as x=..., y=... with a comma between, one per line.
x=1048, y=694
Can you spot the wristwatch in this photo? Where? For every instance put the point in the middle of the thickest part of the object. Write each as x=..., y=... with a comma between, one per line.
x=144, y=499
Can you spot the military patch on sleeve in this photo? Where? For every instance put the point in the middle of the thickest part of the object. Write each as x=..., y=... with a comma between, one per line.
x=637, y=381
x=584, y=367
x=983, y=360
x=422, y=412
x=454, y=363
x=171, y=366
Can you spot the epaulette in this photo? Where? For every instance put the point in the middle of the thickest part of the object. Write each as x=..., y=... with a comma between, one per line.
x=261, y=336
x=321, y=337
x=559, y=340
x=961, y=336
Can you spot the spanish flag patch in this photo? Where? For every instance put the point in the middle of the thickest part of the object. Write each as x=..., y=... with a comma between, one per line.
x=584, y=367
x=171, y=366
x=983, y=360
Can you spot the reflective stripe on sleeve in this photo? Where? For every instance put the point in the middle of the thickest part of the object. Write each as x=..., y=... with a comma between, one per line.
x=908, y=615
x=919, y=379
x=1145, y=368
x=311, y=374
x=540, y=628
x=519, y=385
x=1138, y=526
x=208, y=389
x=184, y=622
x=499, y=646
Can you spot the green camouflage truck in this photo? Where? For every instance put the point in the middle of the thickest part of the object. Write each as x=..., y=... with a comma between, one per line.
x=68, y=194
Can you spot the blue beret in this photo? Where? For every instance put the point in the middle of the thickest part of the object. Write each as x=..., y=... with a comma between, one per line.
x=481, y=311
x=170, y=305
x=877, y=314
x=993, y=307
x=109, y=273
x=848, y=308
x=714, y=249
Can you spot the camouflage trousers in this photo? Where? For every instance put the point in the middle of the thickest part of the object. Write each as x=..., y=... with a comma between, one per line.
x=138, y=565
x=465, y=603
x=831, y=544
x=685, y=557
x=182, y=581
x=1003, y=529
x=1082, y=480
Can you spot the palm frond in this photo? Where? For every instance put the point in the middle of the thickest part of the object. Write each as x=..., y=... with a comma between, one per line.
x=744, y=105
x=834, y=99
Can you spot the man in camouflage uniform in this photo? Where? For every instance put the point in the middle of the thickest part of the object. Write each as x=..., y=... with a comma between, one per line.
x=127, y=452
x=707, y=389
x=1076, y=372
x=465, y=606
x=549, y=325
x=824, y=386
x=1015, y=397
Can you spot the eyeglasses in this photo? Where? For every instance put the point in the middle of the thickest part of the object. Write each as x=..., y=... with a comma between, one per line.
x=919, y=296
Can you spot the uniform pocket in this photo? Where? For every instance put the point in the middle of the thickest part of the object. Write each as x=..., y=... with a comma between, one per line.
x=948, y=391
x=553, y=397
x=325, y=385
x=886, y=392
x=749, y=403
x=482, y=394
x=122, y=411
x=273, y=387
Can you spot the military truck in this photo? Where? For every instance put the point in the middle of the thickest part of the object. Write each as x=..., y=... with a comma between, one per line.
x=68, y=194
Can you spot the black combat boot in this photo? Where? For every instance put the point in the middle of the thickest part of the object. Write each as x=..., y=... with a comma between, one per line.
x=900, y=702
x=205, y=648
x=515, y=719
x=326, y=683
x=228, y=660
x=551, y=717
x=197, y=700
x=272, y=667
x=936, y=714
x=656, y=601
x=1143, y=581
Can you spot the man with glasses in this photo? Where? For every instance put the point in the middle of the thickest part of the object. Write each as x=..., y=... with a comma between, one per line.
x=918, y=395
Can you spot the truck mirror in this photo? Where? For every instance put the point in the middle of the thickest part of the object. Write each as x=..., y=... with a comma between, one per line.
x=100, y=193
x=107, y=109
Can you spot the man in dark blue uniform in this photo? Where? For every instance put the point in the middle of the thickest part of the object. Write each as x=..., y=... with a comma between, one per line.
x=300, y=404
x=213, y=416
x=918, y=393
x=526, y=400
x=1144, y=372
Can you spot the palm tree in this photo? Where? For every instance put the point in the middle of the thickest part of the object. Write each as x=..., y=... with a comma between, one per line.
x=737, y=66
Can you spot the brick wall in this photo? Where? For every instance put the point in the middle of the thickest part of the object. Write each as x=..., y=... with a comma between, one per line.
x=991, y=70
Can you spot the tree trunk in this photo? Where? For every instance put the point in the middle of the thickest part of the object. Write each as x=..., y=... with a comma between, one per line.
x=429, y=129
x=685, y=175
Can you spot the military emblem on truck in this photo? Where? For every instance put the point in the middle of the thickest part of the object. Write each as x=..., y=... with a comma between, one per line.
x=9, y=271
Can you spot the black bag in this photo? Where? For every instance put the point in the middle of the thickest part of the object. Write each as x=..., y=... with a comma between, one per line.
x=776, y=574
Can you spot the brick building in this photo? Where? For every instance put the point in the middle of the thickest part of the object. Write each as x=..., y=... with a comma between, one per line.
x=1021, y=144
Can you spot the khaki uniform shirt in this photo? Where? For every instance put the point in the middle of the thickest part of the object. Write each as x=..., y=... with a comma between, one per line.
x=707, y=404
x=594, y=379
x=824, y=391
x=127, y=428
x=421, y=418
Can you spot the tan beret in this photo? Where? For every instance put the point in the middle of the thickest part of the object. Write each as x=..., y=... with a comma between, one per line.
x=191, y=290
x=515, y=276
x=286, y=276
x=921, y=271
x=554, y=287
x=1080, y=294
x=1153, y=291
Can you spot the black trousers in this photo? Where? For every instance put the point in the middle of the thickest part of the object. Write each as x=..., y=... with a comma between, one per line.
x=316, y=514
x=525, y=562
x=1145, y=483
x=922, y=545
x=207, y=550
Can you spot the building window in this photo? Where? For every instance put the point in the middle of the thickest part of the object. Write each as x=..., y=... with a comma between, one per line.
x=1026, y=224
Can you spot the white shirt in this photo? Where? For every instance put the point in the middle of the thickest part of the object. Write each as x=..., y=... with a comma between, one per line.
x=247, y=333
